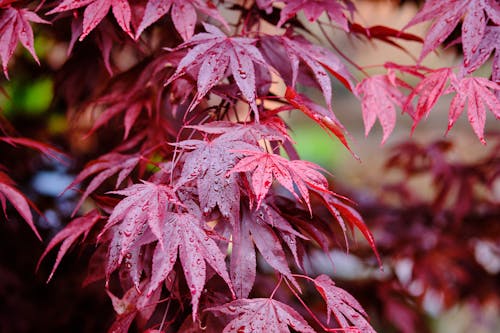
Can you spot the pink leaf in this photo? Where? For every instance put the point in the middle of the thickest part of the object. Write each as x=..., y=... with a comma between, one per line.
x=379, y=95
x=183, y=15
x=447, y=14
x=14, y=27
x=262, y=315
x=213, y=53
x=95, y=12
x=264, y=166
x=145, y=205
x=313, y=9
x=476, y=91
x=184, y=18
x=429, y=90
x=346, y=310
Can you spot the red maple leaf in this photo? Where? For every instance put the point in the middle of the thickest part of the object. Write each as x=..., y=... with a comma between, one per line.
x=183, y=14
x=131, y=104
x=185, y=234
x=324, y=118
x=344, y=307
x=476, y=91
x=266, y=166
x=102, y=169
x=145, y=205
x=262, y=315
x=17, y=199
x=213, y=54
x=379, y=94
x=14, y=27
x=320, y=61
x=384, y=34
x=263, y=227
x=447, y=14
x=209, y=164
x=345, y=213
x=478, y=57
x=270, y=127
x=76, y=228
x=313, y=9
x=429, y=89
x=95, y=12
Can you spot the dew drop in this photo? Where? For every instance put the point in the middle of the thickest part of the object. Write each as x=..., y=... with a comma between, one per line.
x=242, y=73
x=128, y=255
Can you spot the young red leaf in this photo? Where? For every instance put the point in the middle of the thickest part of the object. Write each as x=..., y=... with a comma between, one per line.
x=76, y=228
x=313, y=9
x=95, y=12
x=183, y=15
x=17, y=199
x=325, y=119
x=379, y=94
x=429, y=90
x=262, y=315
x=213, y=54
x=384, y=34
x=14, y=27
x=346, y=310
x=476, y=91
x=185, y=234
x=264, y=166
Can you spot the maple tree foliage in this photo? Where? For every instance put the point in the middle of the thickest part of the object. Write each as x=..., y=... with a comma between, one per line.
x=196, y=188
